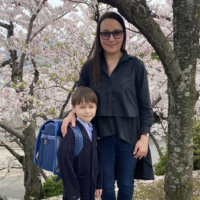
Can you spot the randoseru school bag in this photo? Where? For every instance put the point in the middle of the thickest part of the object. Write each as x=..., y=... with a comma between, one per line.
x=47, y=143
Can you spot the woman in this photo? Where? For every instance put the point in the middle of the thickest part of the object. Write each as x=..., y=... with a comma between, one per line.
x=124, y=113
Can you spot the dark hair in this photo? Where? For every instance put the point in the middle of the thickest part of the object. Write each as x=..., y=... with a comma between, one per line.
x=98, y=55
x=83, y=93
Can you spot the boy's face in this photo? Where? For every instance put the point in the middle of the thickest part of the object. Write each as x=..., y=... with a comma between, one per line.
x=85, y=111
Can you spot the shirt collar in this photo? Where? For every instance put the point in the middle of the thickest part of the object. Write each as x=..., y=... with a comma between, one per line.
x=86, y=126
x=123, y=58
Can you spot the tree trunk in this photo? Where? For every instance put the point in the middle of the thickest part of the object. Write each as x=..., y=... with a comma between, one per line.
x=178, y=178
x=32, y=182
x=182, y=99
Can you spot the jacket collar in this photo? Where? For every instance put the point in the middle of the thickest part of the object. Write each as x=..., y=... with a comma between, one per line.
x=85, y=135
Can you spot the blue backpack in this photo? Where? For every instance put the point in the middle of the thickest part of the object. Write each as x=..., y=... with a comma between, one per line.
x=47, y=143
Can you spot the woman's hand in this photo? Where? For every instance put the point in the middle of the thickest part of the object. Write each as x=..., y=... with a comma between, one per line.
x=98, y=193
x=141, y=147
x=71, y=118
x=79, y=198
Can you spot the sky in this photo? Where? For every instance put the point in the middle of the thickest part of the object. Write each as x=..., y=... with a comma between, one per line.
x=55, y=2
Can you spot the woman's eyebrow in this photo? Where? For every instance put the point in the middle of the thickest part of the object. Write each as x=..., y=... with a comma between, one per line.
x=112, y=31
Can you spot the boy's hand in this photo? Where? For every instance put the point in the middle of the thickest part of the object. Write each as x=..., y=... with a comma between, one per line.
x=98, y=193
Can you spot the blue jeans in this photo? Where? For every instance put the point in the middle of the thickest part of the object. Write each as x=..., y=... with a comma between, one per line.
x=113, y=147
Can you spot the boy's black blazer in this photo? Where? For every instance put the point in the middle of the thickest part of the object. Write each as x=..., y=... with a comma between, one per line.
x=82, y=175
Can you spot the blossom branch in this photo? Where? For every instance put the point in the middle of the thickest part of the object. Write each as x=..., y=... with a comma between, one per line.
x=42, y=28
x=67, y=100
x=30, y=28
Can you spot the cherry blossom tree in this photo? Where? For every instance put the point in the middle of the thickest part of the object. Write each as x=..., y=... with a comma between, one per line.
x=44, y=48
x=36, y=78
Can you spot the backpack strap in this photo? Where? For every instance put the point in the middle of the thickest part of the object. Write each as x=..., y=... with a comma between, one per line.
x=78, y=140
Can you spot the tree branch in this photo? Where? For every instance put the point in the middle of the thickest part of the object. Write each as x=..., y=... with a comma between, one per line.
x=154, y=15
x=43, y=174
x=91, y=50
x=7, y=26
x=6, y=62
x=133, y=30
x=67, y=100
x=157, y=145
x=13, y=132
x=35, y=79
x=153, y=104
x=11, y=167
x=30, y=28
x=42, y=28
x=14, y=153
x=18, y=143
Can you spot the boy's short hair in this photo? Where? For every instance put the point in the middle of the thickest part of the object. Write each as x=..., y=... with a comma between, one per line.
x=83, y=93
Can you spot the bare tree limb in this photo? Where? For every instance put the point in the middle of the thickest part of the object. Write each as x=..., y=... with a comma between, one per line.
x=155, y=102
x=4, y=25
x=3, y=178
x=43, y=174
x=14, y=153
x=13, y=132
x=18, y=143
x=67, y=100
x=35, y=79
x=154, y=15
x=157, y=145
x=91, y=50
x=11, y=167
x=6, y=62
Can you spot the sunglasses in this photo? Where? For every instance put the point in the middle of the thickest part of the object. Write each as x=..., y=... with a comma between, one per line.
x=106, y=35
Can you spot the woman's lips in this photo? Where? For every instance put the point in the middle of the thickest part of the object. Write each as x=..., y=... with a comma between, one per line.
x=111, y=45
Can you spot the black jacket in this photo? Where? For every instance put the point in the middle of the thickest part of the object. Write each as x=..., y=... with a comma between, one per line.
x=82, y=175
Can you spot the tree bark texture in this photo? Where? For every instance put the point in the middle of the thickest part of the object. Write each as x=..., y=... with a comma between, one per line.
x=180, y=67
x=32, y=182
x=182, y=99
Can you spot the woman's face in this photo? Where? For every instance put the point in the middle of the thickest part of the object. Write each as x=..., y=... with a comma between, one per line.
x=111, y=45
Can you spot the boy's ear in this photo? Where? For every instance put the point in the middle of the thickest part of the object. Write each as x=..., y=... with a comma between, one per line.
x=73, y=109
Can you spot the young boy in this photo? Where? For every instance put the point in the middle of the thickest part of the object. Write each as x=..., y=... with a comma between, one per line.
x=82, y=175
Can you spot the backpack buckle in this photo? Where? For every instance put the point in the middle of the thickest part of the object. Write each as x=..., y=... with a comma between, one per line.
x=79, y=136
x=45, y=140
